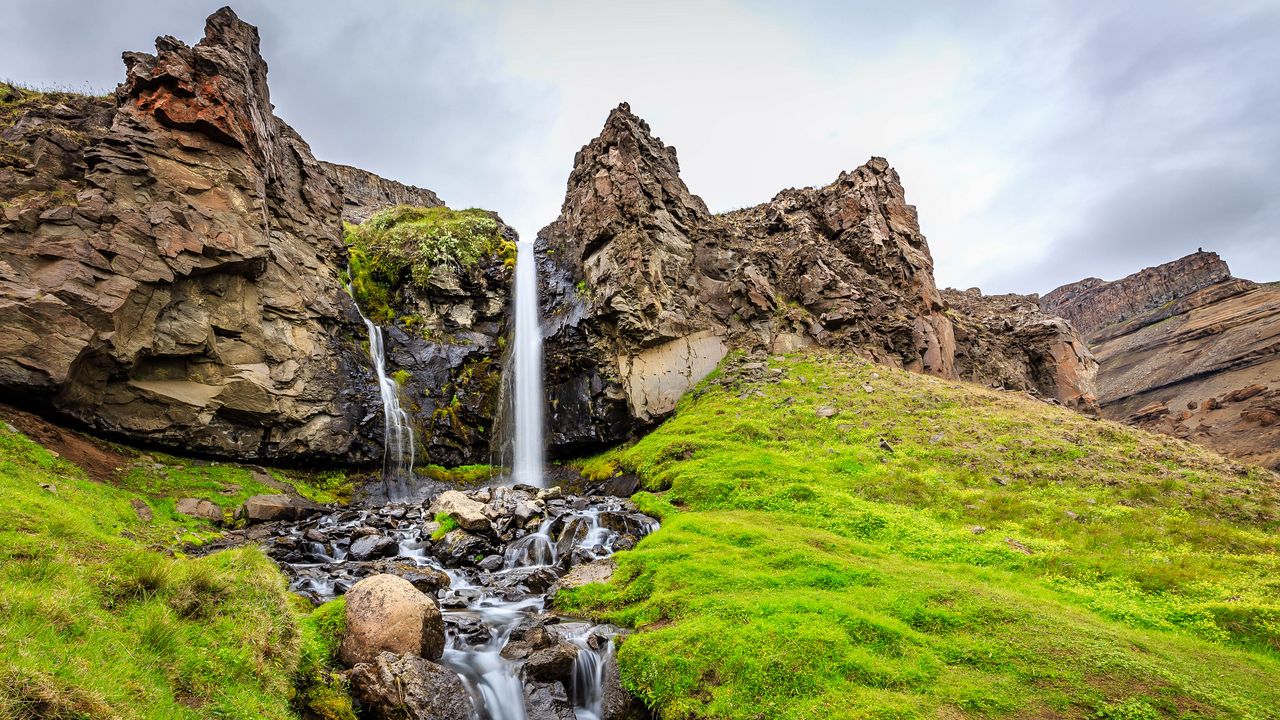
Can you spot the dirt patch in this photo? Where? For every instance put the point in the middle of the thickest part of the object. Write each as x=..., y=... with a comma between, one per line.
x=102, y=461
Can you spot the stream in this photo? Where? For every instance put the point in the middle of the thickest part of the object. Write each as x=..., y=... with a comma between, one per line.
x=517, y=661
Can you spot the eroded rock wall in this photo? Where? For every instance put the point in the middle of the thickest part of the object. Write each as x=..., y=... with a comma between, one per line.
x=1188, y=350
x=170, y=263
x=644, y=290
x=1092, y=304
x=364, y=193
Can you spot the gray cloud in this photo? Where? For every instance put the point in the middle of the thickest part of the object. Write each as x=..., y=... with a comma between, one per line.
x=1041, y=141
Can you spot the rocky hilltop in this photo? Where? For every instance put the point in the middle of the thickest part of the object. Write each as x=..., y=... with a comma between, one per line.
x=171, y=261
x=1186, y=349
x=644, y=290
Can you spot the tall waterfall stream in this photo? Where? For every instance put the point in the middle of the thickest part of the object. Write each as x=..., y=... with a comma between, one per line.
x=492, y=585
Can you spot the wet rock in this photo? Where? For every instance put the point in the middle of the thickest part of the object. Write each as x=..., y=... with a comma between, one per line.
x=547, y=701
x=597, y=571
x=459, y=547
x=616, y=703
x=371, y=547
x=469, y=514
x=404, y=687
x=491, y=563
x=267, y=508
x=427, y=579
x=386, y=613
x=551, y=663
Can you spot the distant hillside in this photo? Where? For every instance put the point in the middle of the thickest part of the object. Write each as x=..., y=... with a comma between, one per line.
x=1186, y=349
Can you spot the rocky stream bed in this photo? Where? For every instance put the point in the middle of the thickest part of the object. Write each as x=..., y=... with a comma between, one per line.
x=482, y=585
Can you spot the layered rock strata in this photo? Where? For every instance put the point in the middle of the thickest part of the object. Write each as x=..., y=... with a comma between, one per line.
x=364, y=193
x=1188, y=350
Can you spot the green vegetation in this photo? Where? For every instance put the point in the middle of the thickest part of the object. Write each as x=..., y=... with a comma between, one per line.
x=447, y=525
x=460, y=476
x=937, y=550
x=102, y=616
x=406, y=244
x=324, y=691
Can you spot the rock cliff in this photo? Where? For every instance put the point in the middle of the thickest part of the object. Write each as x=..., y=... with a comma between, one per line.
x=1092, y=304
x=1006, y=341
x=644, y=290
x=1188, y=350
x=364, y=193
x=170, y=262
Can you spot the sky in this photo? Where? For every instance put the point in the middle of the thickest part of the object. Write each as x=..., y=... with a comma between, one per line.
x=1042, y=142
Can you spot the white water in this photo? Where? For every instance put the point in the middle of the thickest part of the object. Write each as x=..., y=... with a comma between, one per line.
x=528, y=365
x=397, y=441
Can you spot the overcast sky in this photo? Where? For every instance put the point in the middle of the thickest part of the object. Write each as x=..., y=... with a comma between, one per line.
x=1041, y=141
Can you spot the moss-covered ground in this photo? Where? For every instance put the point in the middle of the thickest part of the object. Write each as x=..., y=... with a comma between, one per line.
x=102, y=615
x=934, y=549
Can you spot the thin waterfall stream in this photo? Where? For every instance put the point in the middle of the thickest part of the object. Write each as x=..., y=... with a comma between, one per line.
x=493, y=581
x=398, y=441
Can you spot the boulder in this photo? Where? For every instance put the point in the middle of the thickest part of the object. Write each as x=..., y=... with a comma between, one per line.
x=371, y=547
x=459, y=547
x=196, y=508
x=616, y=703
x=400, y=687
x=386, y=613
x=551, y=663
x=267, y=508
x=468, y=513
x=547, y=701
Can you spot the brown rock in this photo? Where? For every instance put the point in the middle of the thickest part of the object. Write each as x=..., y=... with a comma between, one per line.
x=404, y=687
x=386, y=613
x=267, y=508
x=1244, y=393
x=196, y=508
x=646, y=290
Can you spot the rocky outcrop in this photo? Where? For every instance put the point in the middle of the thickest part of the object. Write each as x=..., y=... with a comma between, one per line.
x=644, y=290
x=169, y=265
x=364, y=193
x=1006, y=341
x=1192, y=352
x=1092, y=304
x=170, y=274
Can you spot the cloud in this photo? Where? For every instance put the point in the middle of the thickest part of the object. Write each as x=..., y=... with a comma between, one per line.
x=1040, y=141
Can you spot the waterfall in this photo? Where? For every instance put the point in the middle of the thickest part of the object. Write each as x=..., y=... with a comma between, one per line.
x=398, y=440
x=528, y=438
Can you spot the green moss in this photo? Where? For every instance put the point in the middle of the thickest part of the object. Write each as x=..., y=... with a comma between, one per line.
x=95, y=623
x=322, y=688
x=407, y=244
x=447, y=525
x=401, y=377
x=993, y=557
x=460, y=476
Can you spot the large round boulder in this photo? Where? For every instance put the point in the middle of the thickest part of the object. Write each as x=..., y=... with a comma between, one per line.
x=386, y=613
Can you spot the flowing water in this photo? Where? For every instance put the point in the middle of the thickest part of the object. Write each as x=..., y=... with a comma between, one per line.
x=536, y=537
x=397, y=441
x=528, y=429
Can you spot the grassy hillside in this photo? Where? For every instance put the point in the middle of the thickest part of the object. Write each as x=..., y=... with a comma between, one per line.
x=841, y=540
x=102, y=616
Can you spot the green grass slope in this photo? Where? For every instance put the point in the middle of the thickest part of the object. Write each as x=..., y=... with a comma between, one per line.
x=937, y=550
x=101, y=618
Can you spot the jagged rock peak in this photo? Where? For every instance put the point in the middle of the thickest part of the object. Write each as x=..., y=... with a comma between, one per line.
x=1092, y=304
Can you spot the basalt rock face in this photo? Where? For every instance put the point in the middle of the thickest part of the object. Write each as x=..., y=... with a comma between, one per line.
x=170, y=273
x=644, y=290
x=1092, y=304
x=1006, y=341
x=364, y=193
x=1188, y=350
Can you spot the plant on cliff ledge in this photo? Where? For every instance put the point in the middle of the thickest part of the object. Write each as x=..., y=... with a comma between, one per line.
x=408, y=244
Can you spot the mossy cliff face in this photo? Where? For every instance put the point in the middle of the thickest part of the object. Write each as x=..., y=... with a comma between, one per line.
x=438, y=281
x=644, y=290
